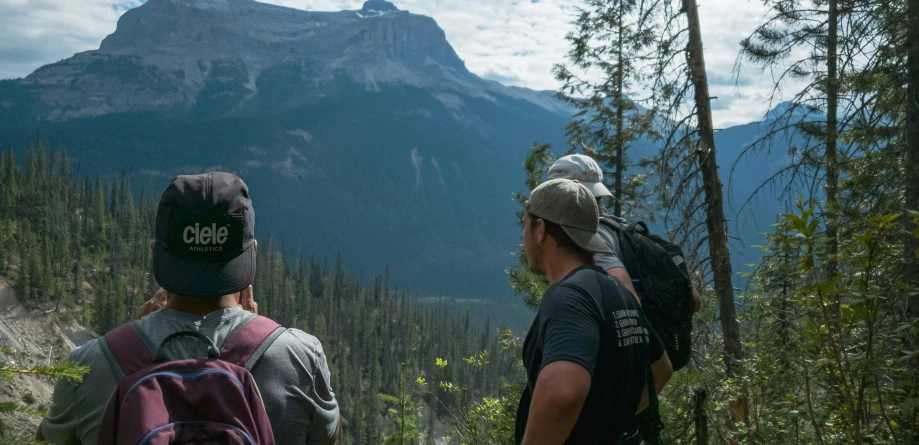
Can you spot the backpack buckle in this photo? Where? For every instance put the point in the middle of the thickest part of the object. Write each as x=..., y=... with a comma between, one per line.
x=633, y=438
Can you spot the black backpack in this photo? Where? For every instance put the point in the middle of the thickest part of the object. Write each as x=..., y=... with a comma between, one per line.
x=660, y=277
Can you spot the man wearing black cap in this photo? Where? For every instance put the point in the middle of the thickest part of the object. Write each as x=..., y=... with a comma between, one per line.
x=204, y=259
x=590, y=344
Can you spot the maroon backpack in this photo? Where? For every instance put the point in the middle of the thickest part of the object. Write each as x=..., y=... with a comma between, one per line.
x=195, y=401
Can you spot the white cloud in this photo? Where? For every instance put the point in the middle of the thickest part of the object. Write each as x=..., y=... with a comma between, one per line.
x=515, y=42
x=38, y=32
x=724, y=23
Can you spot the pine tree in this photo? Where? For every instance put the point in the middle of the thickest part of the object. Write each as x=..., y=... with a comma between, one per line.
x=316, y=283
x=8, y=198
x=385, y=294
x=338, y=290
x=320, y=330
x=525, y=283
x=911, y=244
x=98, y=224
x=403, y=413
x=714, y=205
x=8, y=189
x=610, y=38
x=24, y=278
x=373, y=414
x=303, y=298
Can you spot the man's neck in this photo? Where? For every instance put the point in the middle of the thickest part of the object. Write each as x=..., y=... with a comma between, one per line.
x=201, y=306
x=561, y=265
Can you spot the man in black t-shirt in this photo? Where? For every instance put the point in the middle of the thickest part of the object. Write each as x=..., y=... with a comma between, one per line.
x=590, y=345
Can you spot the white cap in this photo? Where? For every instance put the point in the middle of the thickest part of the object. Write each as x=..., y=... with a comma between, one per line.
x=583, y=169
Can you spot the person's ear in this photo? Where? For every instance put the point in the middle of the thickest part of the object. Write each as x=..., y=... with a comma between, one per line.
x=540, y=230
x=256, y=245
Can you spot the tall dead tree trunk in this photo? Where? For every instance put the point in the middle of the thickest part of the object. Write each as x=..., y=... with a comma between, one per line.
x=619, y=115
x=832, y=169
x=714, y=208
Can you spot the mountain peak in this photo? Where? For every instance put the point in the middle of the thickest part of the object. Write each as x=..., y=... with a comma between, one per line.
x=791, y=110
x=378, y=6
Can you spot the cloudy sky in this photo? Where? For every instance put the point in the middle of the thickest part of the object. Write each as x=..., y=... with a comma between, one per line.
x=515, y=42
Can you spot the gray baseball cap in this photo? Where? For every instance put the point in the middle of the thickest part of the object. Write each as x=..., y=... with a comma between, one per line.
x=570, y=205
x=581, y=168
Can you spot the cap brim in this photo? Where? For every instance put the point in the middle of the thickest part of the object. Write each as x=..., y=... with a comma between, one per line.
x=203, y=278
x=590, y=241
x=597, y=189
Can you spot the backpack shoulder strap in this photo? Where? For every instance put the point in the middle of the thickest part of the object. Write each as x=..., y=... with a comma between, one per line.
x=613, y=223
x=251, y=341
x=655, y=424
x=640, y=227
x=651, y=414
x=126, y=350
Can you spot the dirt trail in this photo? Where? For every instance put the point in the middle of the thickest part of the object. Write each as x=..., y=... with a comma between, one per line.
x=35, y=338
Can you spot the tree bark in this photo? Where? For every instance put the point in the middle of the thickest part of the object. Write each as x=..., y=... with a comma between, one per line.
x=620, y=146
x=700, y=415
x=832, y=169
x=714, y=208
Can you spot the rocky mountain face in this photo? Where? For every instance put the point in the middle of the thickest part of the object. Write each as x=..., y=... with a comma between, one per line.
x=360, y=132
x=240, y=56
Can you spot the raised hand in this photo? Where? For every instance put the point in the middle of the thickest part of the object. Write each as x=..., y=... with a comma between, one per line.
x=247, y=300
x=152, y=305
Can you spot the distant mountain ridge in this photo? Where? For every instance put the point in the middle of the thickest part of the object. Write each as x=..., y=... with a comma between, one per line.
x=230, y=55
x=357, y=131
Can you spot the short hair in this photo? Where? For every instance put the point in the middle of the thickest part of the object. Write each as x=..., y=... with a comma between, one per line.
x=558, y=234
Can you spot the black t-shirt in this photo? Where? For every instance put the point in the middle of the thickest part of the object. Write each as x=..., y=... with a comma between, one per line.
x=613, y=341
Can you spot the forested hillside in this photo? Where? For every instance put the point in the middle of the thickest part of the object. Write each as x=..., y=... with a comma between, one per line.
x=82, y=247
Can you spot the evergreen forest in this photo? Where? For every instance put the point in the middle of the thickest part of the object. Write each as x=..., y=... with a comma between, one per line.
x=83, y=247
x=816, y=343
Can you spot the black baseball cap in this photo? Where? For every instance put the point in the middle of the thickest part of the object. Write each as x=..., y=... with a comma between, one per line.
x=205, y=236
